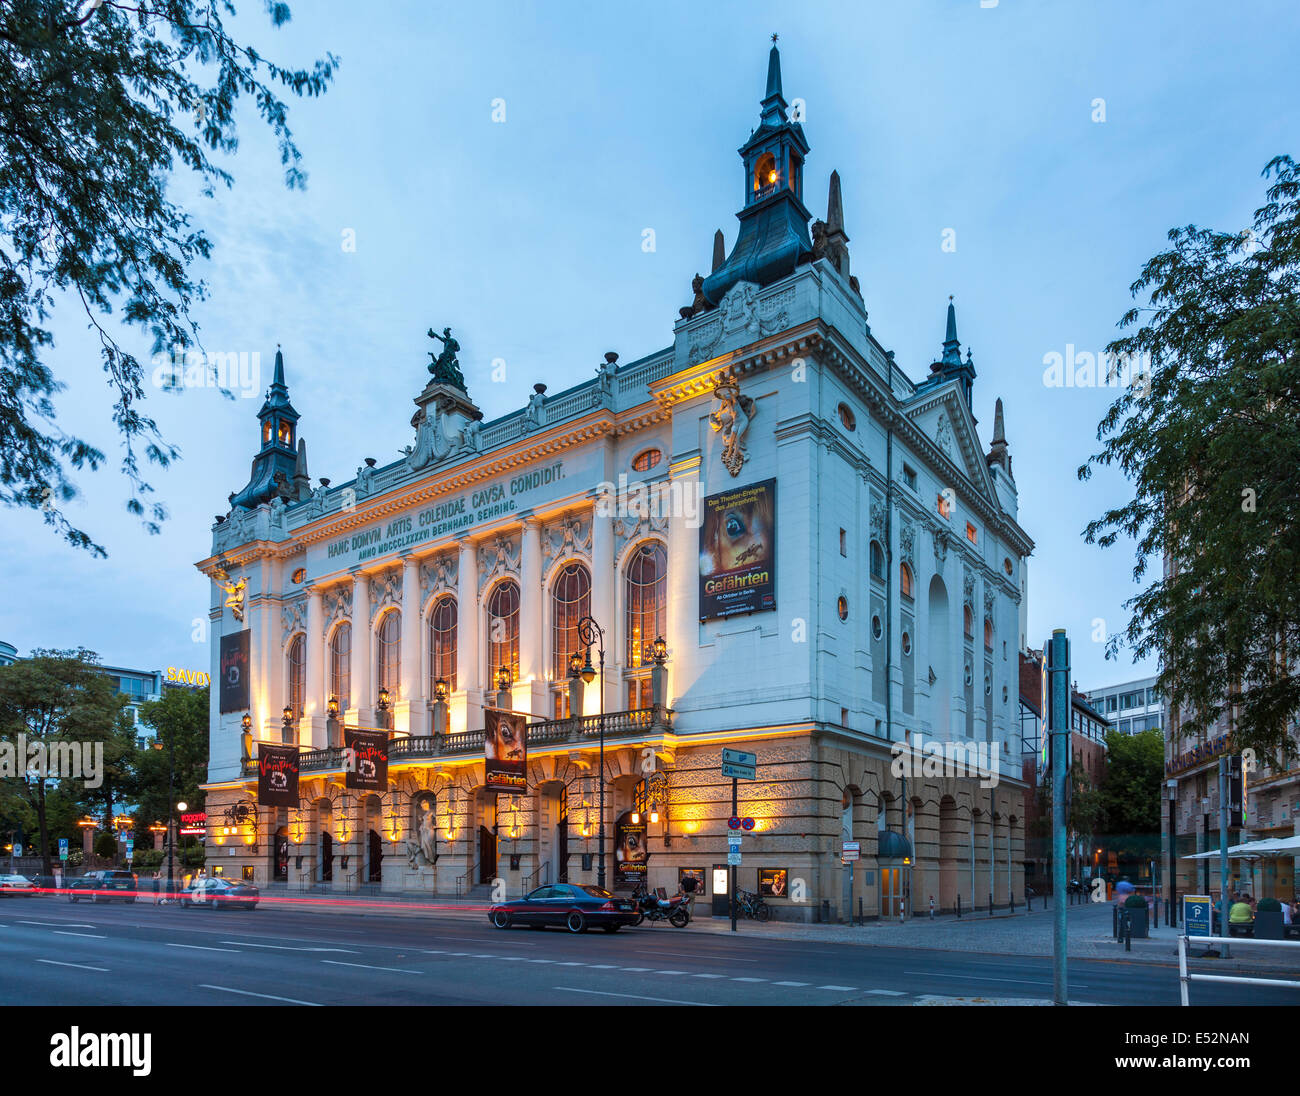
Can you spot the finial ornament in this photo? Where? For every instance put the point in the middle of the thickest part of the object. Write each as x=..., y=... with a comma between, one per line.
x=444, y=366
x=774, y=38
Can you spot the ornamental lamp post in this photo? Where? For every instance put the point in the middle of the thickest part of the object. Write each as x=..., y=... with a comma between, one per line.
x=385, y=701
x=286, y=723
x=503, y=687
x=332, y=721
x=245, y=736
x=590, y=632
x=575, y=685
x=441, y=690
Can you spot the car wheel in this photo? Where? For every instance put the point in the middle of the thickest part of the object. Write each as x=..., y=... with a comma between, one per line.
x=611, y=928
x=575, y=922
x=639, y=918
x=501, y=919
x=678, y=918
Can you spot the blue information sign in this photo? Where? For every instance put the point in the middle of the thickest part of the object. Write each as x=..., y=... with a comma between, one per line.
x=1196, y=914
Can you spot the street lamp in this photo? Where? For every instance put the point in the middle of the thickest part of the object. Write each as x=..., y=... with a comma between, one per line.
x=385, y=701
x=590, y=632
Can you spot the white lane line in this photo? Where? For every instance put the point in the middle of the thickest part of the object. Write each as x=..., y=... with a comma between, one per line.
x=367, y=966
x=570, y=964
x=636, y=970
x=683, y=955
x=604, y=966
x=749, y=979
x=79, y=966
x=200, y=947
x=88, y=935
x=984, y=978
x=57, y=924
x=540, y=960
x=265, y=996
x=791, y=983
x=285, y=947
x=671, y=972
x=848, y=989
x=717, y=976
x=887, y=992
x=635, y=997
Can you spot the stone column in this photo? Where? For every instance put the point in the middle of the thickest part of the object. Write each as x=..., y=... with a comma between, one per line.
x=311, y=729
x=682, y=618
x=532, y=601
x=411, y=712
x=467, y=702
x=360, y=712
x=602, y=609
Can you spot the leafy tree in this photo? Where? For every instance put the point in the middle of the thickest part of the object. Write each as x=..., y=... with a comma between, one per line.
x=1210, y=441
x=99, y=101
x=1130, y=794
x=180, y=720
x=59, y=700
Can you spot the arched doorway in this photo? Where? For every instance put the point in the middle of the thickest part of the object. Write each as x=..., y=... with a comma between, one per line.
x=485, y=814
x=373, y=846
x=280, y=855
x=939, y=643
x=552, y=833
x=325, y=841
x=949, y=851
x=894, y=857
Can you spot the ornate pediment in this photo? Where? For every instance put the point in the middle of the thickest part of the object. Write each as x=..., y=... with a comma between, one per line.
x=293, y=619
x=741, y=317
x=570, y=536
x=498, y=558
x=385, y=590
x=438, y=576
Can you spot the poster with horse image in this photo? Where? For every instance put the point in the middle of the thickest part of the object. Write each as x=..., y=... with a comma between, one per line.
x=505, y=749
x=738, y=551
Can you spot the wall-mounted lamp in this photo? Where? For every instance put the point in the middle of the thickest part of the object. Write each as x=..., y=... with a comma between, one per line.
x=288, y=716
x=503, y=678
x=384, y=698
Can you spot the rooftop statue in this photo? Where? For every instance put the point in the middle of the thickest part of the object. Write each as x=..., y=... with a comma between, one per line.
x=444, y=366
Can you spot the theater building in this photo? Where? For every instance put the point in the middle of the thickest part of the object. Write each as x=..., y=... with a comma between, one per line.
x=831, y=557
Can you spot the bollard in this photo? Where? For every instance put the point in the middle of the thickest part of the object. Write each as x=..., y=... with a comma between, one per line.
x=958, y=907
x=932, y=907
x=826, y=911
x=1128, y=932
x=861, y=919
x=1114, y=922
x=990, y=905
x=1013, y=903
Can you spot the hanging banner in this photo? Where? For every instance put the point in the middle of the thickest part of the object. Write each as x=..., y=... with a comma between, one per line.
x=505, y=747
x=365, y=760
x=631, y=851
x=738, y=551
x=234, y=672
x=277, y=775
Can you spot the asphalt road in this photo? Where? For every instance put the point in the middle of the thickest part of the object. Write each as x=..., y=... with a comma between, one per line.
x=55, y=953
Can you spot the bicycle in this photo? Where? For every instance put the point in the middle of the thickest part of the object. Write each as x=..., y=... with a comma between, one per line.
x=752, y=905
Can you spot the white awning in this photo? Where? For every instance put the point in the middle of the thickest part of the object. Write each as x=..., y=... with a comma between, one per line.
x=1271, y=846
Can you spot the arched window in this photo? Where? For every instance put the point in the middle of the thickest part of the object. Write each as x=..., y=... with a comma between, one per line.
x=645, y=593
x=646, y=459
x=988, y=634
x=503, y=630
x=877, y=561
x=968, y=622
x=442, y=643
x=905, y=580
x=570, y=602
x=765, y=173
x=341, y=664
x=388, y=640
x=297, y=673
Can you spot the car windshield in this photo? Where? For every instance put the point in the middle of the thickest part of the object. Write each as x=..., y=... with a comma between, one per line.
x=13, y=879
x=596, y=892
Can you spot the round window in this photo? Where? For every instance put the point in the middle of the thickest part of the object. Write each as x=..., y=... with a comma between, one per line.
x=300, y=574
x=907, y=644
x=969, y=675
x=1006, y=565
x=842, y=607
x=876, y=630
x=646, y=460
x=847, y=417
x=988, y=685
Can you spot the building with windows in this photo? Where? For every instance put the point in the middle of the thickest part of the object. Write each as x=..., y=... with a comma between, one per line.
x=830, y=556
x=8, y=653
x=1133, y=707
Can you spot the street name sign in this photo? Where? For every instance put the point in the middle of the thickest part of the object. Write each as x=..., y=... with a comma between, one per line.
x=739, y=765
x=852, y=851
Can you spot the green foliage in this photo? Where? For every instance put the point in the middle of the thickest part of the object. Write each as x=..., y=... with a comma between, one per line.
x=106, y=845
x=1130, y=794
x=1135, y=901
x=1212, y=450
x=1268, y=905
x=180, y=722
x=98, y=106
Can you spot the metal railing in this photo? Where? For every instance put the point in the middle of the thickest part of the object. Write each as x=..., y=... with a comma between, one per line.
x=1184, y=976
x=464, y=880
x=535, y=879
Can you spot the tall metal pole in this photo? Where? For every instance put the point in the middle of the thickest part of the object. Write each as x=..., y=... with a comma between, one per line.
x=731, y=868
x=1223, y=851
x=600, y=873
x=171, y=808
x=1058, y=676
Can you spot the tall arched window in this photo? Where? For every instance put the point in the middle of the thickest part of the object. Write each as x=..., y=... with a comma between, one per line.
x=503, y=630
x=645, y=594
x=297, y=673
x=877, y=561
x=388, y=641
x=442, y=643
x=968, y=622
x=341, y=664
x=905, y=580
x=988, y=634
x=570, y=602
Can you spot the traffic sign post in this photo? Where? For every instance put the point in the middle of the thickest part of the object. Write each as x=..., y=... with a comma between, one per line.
x=1196, y=915
x=63, y=848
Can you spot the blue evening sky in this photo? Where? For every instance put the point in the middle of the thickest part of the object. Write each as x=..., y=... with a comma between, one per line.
x=526, y=237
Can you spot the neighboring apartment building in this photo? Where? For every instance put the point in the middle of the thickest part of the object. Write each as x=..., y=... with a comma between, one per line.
x=1132, y=707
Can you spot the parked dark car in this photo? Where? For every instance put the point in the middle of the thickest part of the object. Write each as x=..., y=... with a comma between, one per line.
x=218, y=893
x=575, y=907
x=16, y=886
x=103, y=886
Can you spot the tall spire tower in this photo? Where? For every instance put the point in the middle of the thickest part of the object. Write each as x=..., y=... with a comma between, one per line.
x=279, y=451
x=773, y=235
x=950, y=366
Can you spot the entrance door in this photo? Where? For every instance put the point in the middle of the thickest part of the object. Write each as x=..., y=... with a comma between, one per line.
x=280, y=856
x=562, y=851
x=487, y=855
x=376, y=873
x=889, y=892
x=326, y=857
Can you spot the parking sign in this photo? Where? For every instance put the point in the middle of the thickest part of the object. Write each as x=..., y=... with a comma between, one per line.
x=63, y=848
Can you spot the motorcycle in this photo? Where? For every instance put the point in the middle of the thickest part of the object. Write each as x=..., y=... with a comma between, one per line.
x=676, y=910
x=752, y=905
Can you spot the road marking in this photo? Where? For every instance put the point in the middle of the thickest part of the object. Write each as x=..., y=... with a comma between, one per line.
x=285, y=947
x=79, y=966
x=636, y=970
x=749, y=979
x=788, y=983
x=698, y=955
x=723, y=976
x=604, y=966
x=265, y=996
x=367, y=966
x=986, y=978
x=670, y=972
x=634, y=996
x=567, y=964
x=848, y=989
x=55, y=924
x=88, y=935
x=887, y=992
x=200, y=947
x=540, y=960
